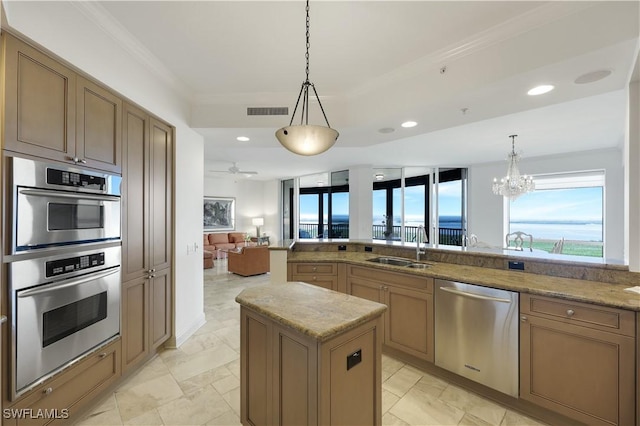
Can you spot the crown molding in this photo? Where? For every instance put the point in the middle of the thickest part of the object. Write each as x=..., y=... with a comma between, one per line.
x=110, y=26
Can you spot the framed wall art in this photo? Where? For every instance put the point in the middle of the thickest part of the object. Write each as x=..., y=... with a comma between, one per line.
x=219, y=214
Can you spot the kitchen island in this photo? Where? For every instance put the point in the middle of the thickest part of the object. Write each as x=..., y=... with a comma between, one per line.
x=579, y=323
x=309, y=356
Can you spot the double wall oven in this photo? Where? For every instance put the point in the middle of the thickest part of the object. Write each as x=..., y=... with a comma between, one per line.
x=63, y=266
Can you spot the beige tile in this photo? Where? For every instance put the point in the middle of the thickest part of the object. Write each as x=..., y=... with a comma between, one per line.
x=230, y=418
x=430, y=385
x=481, y=408
x=471, y=420
x=417, y=408
x=147, y=396
x=151, y=370
x=233, y=399
x=388, y=400
x=199, y=381
x=106, y=413
x=196, y=410
x=391, y=420
x=234, y=367
x=390, y=366
x=199, y=343
x=150, y=418
x=198, y=363
x=512, y=418
x=226, y=384
x=402, y=381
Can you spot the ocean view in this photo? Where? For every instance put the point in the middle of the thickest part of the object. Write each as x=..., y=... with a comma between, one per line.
x=543, y=230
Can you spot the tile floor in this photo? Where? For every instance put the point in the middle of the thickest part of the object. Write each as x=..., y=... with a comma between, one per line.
x=199, y=383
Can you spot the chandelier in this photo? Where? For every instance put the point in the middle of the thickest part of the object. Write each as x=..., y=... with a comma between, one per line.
x=513, y=184
x=307, y=139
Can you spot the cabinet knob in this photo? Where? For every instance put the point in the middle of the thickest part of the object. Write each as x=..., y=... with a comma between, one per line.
x=47, y=391
x=103, y=355
x=3, y=319
x=570, y=312
x=315, y=278
x=151, y=276
x=314, y=269
x=523, y=318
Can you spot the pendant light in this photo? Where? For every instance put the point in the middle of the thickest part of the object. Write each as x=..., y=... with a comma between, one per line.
x=307, y=139
x=513, y=184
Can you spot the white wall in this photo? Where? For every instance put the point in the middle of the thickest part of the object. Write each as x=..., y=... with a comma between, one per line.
x=360, y=202
x=65, y=29
x=486, y=209
x=632, y=178
x=254, y=198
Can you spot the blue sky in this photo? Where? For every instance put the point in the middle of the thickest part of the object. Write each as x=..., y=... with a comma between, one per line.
x=583, y=204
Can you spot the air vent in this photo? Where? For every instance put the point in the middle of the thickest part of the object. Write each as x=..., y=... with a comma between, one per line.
x=268, y=111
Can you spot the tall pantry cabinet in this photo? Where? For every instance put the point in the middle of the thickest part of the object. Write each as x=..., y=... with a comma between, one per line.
x=146, y=234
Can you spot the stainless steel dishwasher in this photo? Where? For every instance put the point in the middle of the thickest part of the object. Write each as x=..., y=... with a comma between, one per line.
x=477, y=334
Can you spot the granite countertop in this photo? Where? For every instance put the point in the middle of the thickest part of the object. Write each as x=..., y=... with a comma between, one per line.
x=607, y=294
x=309, y=309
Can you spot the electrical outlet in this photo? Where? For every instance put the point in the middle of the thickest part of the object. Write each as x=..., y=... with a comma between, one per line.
x=518, y=266
x=367, y=248
x=342, y=248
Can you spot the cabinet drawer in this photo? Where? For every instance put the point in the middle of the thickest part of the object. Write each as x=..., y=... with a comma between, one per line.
x=324, y=281
x=587, y=315
x=385, y=277
x=63, y=395
x=315, y=268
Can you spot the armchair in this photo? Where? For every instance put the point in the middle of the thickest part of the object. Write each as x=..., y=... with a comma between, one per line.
x=251, y=260
x=518, y=240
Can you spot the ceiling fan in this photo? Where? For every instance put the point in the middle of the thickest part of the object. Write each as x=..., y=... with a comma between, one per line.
x=234, y=170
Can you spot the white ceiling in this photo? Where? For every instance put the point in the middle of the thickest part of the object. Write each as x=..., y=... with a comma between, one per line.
x=376, y=64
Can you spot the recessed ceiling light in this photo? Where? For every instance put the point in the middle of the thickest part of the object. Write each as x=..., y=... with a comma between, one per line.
x=407, y=124
x=540, y=90
x=387, y=130
x=242, y=138
x=379, y=176
x=320, y=183
x=592, y=77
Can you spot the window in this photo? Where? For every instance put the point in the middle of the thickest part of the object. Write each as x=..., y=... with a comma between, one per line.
x=564, y=214
x=324, y=209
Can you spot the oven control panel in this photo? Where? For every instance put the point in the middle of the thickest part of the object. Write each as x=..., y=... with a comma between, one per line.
x=72, y=264
x=65, y=178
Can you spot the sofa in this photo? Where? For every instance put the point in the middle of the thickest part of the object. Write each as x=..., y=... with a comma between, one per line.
x=250, y=260
x=217, y=241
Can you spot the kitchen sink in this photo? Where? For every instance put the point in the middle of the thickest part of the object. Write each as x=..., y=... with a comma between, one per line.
x=400, y=262
x=419, y=266
x=391, y=261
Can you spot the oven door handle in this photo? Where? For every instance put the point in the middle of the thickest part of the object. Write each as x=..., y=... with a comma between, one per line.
x=80, y=196
x=66, y=283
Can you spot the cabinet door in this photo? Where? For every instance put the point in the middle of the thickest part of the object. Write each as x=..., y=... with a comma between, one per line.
x=135, y=321
x=365, y=289
x=160, y=299
x=161, y=179
x=409, y=322
x=135, y=194
x=99, y=131
x=40, y=103
x=576, y=371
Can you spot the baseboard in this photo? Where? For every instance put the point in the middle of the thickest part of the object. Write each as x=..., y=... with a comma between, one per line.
x=184, y=336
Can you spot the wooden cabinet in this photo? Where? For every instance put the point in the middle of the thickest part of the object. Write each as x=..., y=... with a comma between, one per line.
x=146, y=234
x=577, y=359
x=292, y=379
x=65, y=394
x=321, y=274
x=409, y=321
x=54, y=113
x=40, y=103
x=98, y=126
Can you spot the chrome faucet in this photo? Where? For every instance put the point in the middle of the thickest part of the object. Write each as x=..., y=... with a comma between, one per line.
x=421, y=235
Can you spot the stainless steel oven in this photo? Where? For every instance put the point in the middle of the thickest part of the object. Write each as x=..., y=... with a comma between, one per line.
x=56, y=205
x=63, y=306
